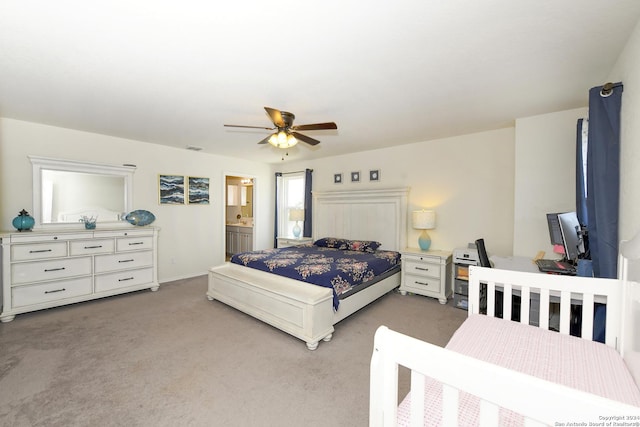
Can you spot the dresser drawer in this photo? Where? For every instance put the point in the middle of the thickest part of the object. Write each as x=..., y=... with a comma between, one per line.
x=104, y=263
x=134, y=243
x=106, y=282
x=50, y=270
x=38, y=251
x=52, y=291
x=413, y=265
x=421, y=283
x=89, y=247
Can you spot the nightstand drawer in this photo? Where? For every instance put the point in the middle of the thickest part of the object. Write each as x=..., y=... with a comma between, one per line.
x=421, y=268
x=422, y=283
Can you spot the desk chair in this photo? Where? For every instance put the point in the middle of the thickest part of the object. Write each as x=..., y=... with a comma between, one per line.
x=482, y=253
x=515, y=300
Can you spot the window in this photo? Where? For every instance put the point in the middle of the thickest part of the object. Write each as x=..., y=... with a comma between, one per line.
x=290, y=196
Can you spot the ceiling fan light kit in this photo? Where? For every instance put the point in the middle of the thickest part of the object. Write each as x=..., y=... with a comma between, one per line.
x=282, y=140
x=287, y=135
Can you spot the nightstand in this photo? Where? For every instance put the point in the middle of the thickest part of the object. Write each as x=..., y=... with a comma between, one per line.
x=426, y=273
x=285, y=242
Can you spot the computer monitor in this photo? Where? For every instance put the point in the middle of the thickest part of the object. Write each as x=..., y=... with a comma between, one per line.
x=555, y=234
x=571, y=236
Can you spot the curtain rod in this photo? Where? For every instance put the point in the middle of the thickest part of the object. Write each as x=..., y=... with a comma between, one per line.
x=289, y=173
x=607, y=88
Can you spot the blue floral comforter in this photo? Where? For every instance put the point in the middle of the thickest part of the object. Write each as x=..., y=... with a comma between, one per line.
x=341, y=270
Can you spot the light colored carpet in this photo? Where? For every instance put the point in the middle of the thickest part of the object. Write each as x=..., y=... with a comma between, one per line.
x=173, y=358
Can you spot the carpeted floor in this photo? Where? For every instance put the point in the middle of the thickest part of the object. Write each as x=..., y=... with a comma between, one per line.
x=173, y=358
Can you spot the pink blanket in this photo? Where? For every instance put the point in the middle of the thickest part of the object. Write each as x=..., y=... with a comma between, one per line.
x=579, y=363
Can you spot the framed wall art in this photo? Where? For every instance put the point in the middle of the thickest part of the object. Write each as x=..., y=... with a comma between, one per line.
x=171, y=189
x=198, y=191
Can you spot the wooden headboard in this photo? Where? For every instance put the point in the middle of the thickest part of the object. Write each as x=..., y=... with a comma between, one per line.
x=379, y=215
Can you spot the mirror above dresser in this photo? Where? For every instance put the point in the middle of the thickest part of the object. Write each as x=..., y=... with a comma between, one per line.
x=65, y=191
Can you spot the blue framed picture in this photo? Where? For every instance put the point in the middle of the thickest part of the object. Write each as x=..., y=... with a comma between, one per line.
x=171, y=189
x=198, y=191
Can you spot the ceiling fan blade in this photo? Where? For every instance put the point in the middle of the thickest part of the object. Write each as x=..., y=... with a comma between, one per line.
x=316, y=126
x=264, y=141
x=276, y=116
x=250, y=127
x=305, y=138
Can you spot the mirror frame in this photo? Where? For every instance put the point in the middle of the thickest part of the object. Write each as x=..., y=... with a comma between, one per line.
x=46, y=163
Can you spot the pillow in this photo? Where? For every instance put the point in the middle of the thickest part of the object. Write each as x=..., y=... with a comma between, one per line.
x=332, y=242
x=364, y=245
x=345, y=244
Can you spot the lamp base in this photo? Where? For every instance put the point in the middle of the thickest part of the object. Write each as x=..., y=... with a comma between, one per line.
x=424, y=241
x=296, y=230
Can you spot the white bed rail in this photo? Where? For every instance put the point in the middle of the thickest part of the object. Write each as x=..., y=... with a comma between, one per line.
x=565, y=290
x=499, y=387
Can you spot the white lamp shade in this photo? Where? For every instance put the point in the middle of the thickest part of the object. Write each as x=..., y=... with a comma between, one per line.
x=296, y=214
x=423, y=220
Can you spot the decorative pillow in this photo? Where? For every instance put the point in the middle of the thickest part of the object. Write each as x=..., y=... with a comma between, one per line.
x=345, y=244
x=364, y=245
x=332, y=242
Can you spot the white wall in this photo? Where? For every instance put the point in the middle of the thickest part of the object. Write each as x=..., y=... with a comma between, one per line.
x=468, y=180
x=191, y=236
x=545, y=156
x=627, y=70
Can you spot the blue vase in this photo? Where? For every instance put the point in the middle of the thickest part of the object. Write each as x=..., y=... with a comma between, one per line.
x=24, y=221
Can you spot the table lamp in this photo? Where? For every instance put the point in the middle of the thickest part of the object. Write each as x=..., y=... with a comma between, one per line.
x=296, y=215
x=424, y=220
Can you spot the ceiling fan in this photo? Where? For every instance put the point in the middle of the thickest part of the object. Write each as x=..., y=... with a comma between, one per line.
x=287, y=134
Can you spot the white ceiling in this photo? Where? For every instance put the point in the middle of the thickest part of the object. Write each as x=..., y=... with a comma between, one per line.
x=387, y=72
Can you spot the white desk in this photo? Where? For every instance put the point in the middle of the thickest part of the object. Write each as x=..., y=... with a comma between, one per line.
x=514, y=263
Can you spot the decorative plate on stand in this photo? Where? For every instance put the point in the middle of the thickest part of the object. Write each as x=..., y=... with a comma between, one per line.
x=140, y=217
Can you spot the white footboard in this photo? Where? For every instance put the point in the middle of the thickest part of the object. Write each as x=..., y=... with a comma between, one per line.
x=539, y=401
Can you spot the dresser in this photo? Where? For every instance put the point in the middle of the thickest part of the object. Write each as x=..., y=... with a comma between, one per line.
x=426, y=273
x=44, y=269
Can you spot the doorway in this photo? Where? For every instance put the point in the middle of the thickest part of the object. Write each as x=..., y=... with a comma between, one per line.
x=239, y=196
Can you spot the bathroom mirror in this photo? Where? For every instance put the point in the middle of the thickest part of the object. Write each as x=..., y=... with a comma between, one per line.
x=64, y=191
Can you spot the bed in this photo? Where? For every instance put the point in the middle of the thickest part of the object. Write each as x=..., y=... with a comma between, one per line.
x=305, y=310
x=496, y=371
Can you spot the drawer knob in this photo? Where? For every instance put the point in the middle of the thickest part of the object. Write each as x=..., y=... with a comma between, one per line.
x=125, y=279
x=419, y=283
x=54, y=291
x=39, y=251
x=53, y=269
x=422, y=268
x=126, y=260
x=136, y=243
x=93, y=247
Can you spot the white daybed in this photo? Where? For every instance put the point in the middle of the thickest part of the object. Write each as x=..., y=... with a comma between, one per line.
x=498, y=372
x=305, y=310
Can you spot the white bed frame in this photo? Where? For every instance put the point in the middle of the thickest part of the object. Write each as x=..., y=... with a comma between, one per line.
x=305, y=310
x=540, y=402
